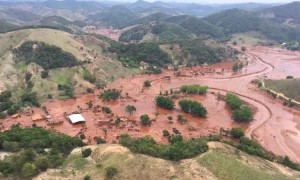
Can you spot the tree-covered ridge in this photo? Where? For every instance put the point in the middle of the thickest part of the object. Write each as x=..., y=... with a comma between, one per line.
x=45, y=55
x=117, y=17
x=197, y=26
x=284, y=12
x=30, y=145
x=6, y=26
x=238, y=21
x=137, y=33
x=135, y=53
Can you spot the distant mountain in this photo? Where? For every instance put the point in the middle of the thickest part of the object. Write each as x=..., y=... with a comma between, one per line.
x=6, y=26
x=237, y=21
x=283, y=13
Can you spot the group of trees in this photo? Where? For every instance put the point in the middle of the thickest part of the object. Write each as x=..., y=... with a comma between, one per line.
x=88, y=76
x=30, y=144
x=6, y=105
x=145, y=120
x=237, y=67
x=241, y=112
x=177, y=149
x=45, y=55
x=193, y=107
x=164, y=102
x=135, y=53
x=110, y=94
x=194, y=89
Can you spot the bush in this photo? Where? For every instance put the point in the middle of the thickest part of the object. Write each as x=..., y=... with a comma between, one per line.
x=237, y=132
x=11, y=146
x=164, y=102
x=86, y=153
x=145, y=120
x=244, y=114
x=194, y=89
x=117, y=121
x=147, y=83
x=42, y=163
x=87, y=177
x=100, y=140
x=287, y=162
x=289, y=77
x=82, y=136
x=233, y=101
x=2, y=116
x=45, y=74
x=28, y=170
x=106, y=110
x=177, y=150
x=166, y=133
x=111, y=171
x=110, y=94
x=88, y=76
x=130, y=109
x=193, y=107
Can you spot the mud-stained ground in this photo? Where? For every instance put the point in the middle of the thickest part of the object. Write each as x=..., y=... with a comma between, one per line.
x=276, y=127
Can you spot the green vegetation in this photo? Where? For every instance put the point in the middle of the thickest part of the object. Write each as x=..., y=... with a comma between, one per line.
x=193, y=107
x=132, y=54
x=130, y=109
x=145, y=120
x=47, y=56
x=110, y=94
x=88, y=76
x=237, y=132
x=177, y=149
x=233, y=101
x=30, y=143
x=226, y=166
x=86, y=153
x=111, y=172
x=137, y=33
x=194, y=89
x=147, y=83
x=243, y=114
x=237, y=67
x=164, y=102
x=100, y=140
x=285, y=86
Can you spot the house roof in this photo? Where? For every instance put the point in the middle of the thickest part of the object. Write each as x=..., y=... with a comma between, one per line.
x=76, y=118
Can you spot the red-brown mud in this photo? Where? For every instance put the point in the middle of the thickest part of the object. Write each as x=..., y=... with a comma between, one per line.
x=276, y=127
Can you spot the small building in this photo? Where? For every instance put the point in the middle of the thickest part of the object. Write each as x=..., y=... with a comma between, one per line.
x=76, y=118
x=37, y=117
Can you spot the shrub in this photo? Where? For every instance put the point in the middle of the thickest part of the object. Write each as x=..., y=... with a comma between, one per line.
x=89, y=90
x=28, y=170
x=147, y=83
x=244, y=114
x=42, y=163
x=237, y=132
x=166, y=133
x=194, y=89
x=2, y=116
x=117, y=121
x=164, y=102
x=106, y=110
x=145, y=120
x=233, y=101
x=130, y=109
x=193, y=107
x=110, y=94
x=289, y=77
x=88, y=76
x=100, y=140
x=45, y=74
x=87, y=177
x=111, y=171
x=86, y=153
x=82, y=136
x=11, y=146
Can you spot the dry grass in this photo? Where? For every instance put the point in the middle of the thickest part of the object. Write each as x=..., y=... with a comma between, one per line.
x=289, y=87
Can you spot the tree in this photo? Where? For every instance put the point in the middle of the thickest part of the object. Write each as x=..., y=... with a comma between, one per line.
x=147, y=83
x=86, y=153
x=244, y=114
x=235, y=67
x=100, y=140
x=45, y=74
x=130, y=109
x=117, y=121
x=145, y=120
x=237, y=132
x=193, y=107
x=87, y=177
x=164, y=102
x=110, y=94
x=166, y=133
x=111, y=171
x=28, y=170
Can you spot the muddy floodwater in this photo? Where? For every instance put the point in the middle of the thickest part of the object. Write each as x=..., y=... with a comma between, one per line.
x=275, y=127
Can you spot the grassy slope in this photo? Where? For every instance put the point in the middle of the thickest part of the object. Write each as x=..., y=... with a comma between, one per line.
x=250, y=38
x=289, y=87
x=103, y=66
x=223, y=162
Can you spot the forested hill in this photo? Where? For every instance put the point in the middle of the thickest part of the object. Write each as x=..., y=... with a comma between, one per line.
x=238, y=21
x=284, y=12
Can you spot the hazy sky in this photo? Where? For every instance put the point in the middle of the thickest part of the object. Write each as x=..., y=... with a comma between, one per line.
x=225, y=1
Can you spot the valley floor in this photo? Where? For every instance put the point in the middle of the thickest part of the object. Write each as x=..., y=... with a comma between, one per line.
x=275, y=127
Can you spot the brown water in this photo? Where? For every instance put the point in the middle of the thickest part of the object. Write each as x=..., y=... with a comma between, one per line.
x=276, y=127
